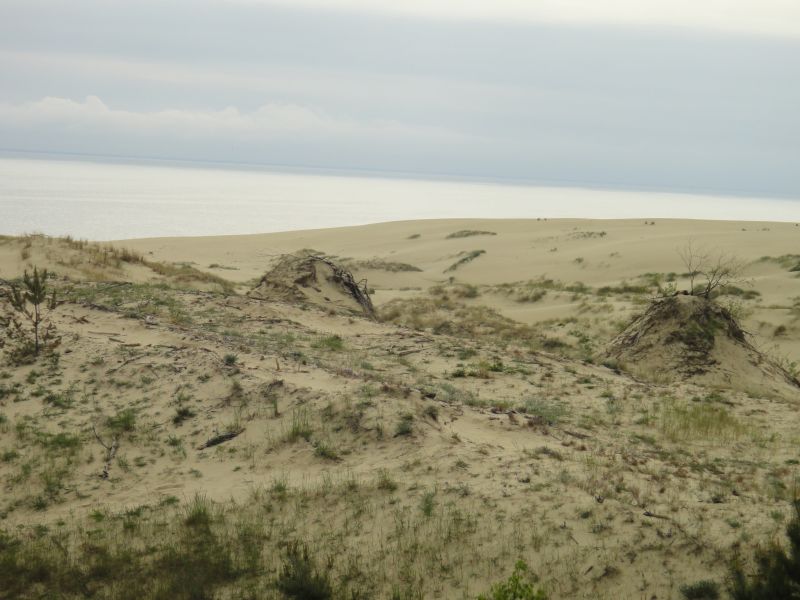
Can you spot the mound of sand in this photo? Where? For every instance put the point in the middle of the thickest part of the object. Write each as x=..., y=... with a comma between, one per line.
x=306, y=277
x=688, y=337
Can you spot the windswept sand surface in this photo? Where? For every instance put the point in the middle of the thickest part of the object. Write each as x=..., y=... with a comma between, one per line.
x=476, y=422
x=594, y=252
x=522, y=249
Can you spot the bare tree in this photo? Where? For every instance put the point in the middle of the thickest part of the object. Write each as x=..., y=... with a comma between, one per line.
x=721, y=272
x=694, y=258
x=709, y=271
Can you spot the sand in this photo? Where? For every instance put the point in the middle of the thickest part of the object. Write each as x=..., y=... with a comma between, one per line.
x=482, y=391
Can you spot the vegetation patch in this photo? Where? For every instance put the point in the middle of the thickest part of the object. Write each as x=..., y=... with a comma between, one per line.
x=466, y=258
x=680, y=422
x=377, y=264
x=463, y=233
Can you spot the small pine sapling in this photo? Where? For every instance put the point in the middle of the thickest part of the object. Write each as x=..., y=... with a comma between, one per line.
x=32, y=302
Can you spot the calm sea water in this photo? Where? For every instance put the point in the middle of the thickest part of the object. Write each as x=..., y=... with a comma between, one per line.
x=113, y=201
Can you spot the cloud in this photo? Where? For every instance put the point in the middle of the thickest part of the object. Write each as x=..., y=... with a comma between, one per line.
x=754, y=17
x=273, y=133
x=494, y=97
x=266, y=122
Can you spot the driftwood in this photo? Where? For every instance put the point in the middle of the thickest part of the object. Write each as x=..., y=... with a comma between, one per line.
x=407, y=352
x=653, y=515
x=358, y=290
x=100, y=307
x=274, y=384
x=126, y=362
x=111, y=452
x=221, y=438
x=580, y=436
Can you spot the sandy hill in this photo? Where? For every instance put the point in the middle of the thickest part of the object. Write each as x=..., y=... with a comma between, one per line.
x=692, y=337
x=308, y=277
x=208, y=427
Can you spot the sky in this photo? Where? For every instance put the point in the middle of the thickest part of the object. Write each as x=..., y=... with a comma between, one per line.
x=672, y=95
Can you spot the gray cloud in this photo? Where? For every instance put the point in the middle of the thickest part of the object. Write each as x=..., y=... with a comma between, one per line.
x=242, y=82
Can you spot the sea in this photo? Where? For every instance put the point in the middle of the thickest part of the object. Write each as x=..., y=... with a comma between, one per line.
x=112, y=200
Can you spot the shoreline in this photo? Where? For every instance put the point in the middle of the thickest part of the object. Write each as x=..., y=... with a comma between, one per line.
x=354, y=173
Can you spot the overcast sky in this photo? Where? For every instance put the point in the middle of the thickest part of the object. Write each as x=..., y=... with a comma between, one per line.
x=700, y=95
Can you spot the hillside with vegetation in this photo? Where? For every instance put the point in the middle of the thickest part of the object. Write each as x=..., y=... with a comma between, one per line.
x=523, y=410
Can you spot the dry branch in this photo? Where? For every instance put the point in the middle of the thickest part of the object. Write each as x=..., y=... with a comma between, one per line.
x=111, y=452
x=359, y=292
x=221, y=438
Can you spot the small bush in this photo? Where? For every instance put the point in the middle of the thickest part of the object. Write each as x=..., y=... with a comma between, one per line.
x=198, y=512
x=777, y=571
x=9, y=456
x=428, y=503
x=404, y=426
x=123, y=421
x=300, y=427
x=432, y=411
x=701, y=590
x=61, y=400
x=332, y=342
x=519, y=586
x=551, y=411
x=182, y=413
x=325, y=450
x=32, y=302
x=60, y=442
x=385, y=481
x=299, y=578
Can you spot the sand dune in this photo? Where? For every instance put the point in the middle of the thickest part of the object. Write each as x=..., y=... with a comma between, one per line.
x=478, y=420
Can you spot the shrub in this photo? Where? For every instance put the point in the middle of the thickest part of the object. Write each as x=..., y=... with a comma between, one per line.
x=123, y=421
x=701, y=590
x=519, y=586
x=551, y=411
x=199, y=512
x=300, y=427
x=332, y=342
x=182, y=413
x=300, y=579
x=60, y=400
x=385, y=481
x=432, y=411
x=777, y=571
x=323, y=449
x=405, y=425
x=60, y=443
x=428, y=503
